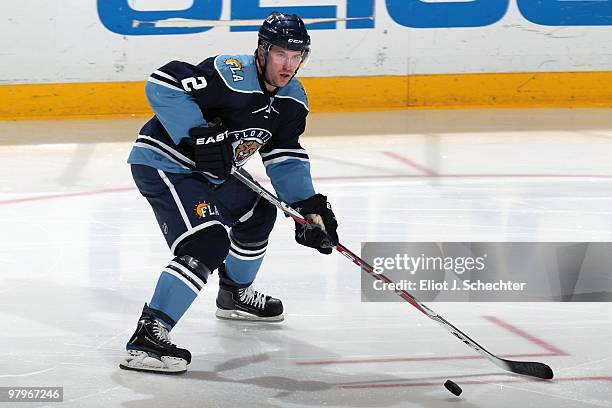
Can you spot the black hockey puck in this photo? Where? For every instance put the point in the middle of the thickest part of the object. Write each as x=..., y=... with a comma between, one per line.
x=452, y=387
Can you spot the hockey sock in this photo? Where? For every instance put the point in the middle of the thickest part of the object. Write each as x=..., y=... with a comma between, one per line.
x=243, y=261
x=177, y=287
x=181, y=281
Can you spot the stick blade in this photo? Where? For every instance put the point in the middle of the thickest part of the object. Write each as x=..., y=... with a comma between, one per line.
x=530, y=368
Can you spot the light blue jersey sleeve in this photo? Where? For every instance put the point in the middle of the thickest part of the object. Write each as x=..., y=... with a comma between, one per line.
x=291, y=179
x=176, y=109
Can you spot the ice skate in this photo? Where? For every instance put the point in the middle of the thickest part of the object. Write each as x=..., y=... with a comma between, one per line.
x=150, y=349
x=247, y=304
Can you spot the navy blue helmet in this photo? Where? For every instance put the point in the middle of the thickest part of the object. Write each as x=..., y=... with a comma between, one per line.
x=286, y=31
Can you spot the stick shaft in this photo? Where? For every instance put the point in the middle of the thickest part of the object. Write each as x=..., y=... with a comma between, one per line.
x=526, y=368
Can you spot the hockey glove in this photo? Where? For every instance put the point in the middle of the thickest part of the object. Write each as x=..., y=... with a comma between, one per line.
x=212, y=150
x=320, y=233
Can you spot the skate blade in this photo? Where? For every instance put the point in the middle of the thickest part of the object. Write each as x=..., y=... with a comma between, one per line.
x=246, y=316
x=141, y=361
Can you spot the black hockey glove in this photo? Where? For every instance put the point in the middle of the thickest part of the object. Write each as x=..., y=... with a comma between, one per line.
x=212, y=150
x=321, y=232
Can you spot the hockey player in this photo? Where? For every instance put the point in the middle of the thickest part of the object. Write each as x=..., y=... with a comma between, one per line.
x=209, y=120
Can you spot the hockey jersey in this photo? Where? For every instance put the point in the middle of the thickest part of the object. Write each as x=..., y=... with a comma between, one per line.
x=227, y=88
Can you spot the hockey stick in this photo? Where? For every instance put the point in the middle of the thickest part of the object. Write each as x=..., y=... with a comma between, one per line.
x=530, y=368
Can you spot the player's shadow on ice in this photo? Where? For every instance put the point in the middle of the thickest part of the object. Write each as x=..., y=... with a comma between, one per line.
x=273, y=382
x=264, y=371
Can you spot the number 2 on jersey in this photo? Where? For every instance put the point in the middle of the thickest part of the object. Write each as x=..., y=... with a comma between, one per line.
x=193, y=84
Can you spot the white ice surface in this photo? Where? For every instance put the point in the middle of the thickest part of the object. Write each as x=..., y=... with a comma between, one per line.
x=81, y=252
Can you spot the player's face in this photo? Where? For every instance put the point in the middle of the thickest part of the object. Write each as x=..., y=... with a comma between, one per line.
x=282, y=64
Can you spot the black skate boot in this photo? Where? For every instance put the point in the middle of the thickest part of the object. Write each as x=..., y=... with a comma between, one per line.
x=150, y=349
x=246, y=303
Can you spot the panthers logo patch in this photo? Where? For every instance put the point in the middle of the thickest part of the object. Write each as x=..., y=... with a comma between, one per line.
x=245, y=149
x=247, y=142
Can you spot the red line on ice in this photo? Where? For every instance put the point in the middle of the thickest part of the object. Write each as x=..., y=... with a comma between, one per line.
x=323, y=178
x=413, y=164
x=469, y=382
x=466, y=175
x=552, y=351
x=65, y=195
x=413, y=359
x=525, y=335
